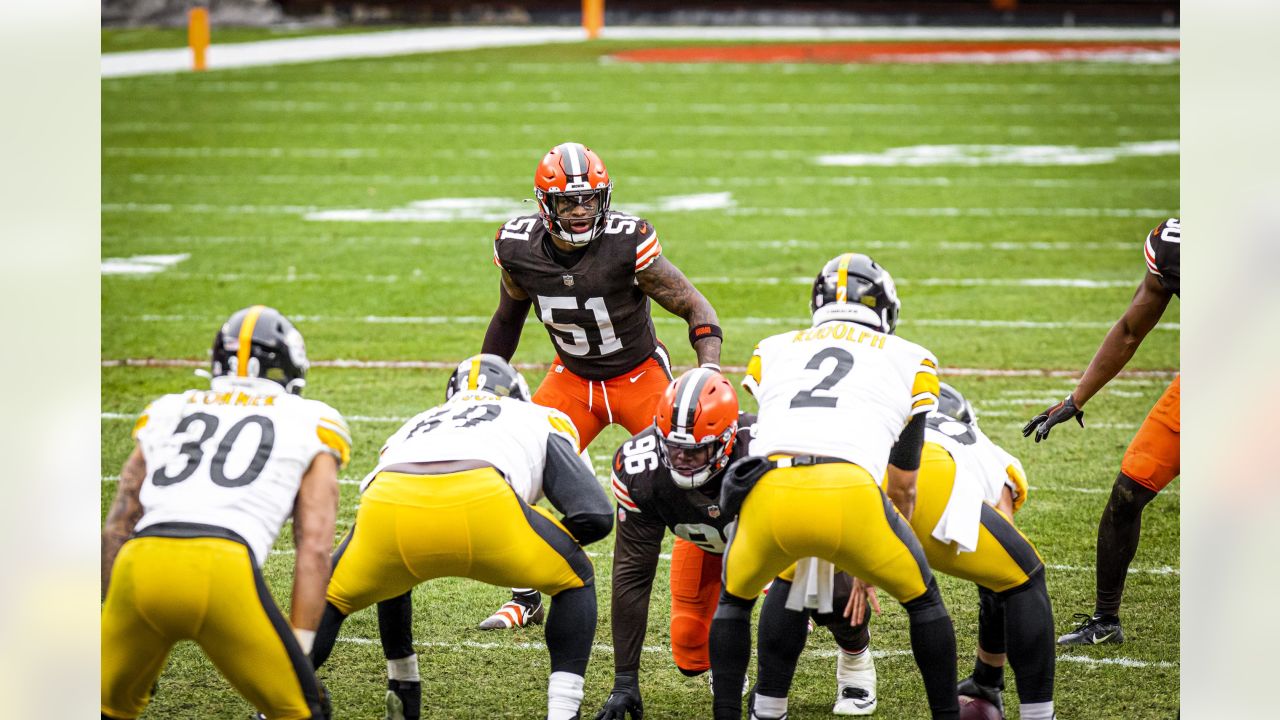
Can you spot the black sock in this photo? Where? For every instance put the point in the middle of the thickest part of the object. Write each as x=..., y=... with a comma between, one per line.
x=1119, y=532
x=395, y=626
x=988, y=675
x=571, y=628
x=783, y=634
x=933, y=643
x=532, y=598
x=1031, y=644
x=730, y=650
x=990, y=621
x=326, y=634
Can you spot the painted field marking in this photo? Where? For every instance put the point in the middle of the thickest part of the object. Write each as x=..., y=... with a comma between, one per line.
x=496, y=210
x=977, y=155
x=141, y=264
x=930, y=282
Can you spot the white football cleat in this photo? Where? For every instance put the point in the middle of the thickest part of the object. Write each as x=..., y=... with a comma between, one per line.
x=856, y=678
x=514, y=614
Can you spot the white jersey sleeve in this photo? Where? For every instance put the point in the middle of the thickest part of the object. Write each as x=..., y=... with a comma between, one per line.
x=510, y=435
x=839, y=390
x=983, y=470
x=233, y=457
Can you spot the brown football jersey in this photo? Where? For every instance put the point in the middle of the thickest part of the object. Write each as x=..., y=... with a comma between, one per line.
x=1163, y=252
x=596, y=314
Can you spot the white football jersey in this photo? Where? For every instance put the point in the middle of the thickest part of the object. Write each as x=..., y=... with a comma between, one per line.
x=233, y=456
x=979, y=461
x=509, y=434
x=840, y=390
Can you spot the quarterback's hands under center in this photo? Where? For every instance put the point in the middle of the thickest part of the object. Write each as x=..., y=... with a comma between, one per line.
x=862, y=595
x=1044, y=422
x=624, y=699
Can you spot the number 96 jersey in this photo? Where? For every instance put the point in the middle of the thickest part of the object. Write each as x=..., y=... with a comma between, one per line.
x=839, y=390
x=233, y=456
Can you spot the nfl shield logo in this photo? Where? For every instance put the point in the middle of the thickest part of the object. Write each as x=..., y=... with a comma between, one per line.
x=713, y=511
x=568, y=281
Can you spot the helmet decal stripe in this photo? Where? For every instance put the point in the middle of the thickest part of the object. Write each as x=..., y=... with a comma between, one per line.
x=687, y=397
x=842, y=278
x=473, y=376
x=575, y=159
x=245, y=339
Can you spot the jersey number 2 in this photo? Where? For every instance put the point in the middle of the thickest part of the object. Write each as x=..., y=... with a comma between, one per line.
x=194, y=450
x=810, y=398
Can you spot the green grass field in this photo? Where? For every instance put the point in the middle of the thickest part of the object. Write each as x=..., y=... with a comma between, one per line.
x=226, y=167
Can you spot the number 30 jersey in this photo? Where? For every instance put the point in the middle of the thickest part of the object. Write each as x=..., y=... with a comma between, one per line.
x=596, y=315
x=509, y=434
x=233, y=456
x=839, y=390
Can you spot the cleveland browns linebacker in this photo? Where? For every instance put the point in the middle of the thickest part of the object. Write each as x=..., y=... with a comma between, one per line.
x=667, y=477
x=213, y=477
x=843, y=404
x=1153, y=459
x=589, y=274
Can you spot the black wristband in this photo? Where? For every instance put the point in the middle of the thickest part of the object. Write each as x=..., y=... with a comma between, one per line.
x=703, y=331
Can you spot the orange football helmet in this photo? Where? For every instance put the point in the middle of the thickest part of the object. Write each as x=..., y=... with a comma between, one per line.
x=697, y=421
x=573, y=190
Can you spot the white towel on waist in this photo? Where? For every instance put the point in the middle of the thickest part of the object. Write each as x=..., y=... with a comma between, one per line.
x=813, y=585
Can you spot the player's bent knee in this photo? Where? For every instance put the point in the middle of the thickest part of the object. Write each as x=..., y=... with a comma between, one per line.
x=1035, y=581
x=688, y=636
x=928, y=607
x=732, y=607
x=588, y=528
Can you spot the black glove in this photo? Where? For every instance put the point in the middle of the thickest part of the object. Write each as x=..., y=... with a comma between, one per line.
x=1044, y=422
x=624, y=699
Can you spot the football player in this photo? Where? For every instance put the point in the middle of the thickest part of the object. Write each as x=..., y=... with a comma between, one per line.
x=667, y=477
x=211, y=480
x=967, y=491
x=453, y=495
x=589, y=273
x=841, y=403
x=1153, y=459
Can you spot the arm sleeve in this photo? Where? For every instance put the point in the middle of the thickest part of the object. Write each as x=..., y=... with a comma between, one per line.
x=635, y=561
x=648, y=248
x=751, y=381
x=334, y=435
x=503, y=335
x=905, y=454
x=573, y=490
x=925, y=388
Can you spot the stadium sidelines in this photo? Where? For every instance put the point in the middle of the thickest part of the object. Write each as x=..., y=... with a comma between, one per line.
x=878, y=654
x=432, y=40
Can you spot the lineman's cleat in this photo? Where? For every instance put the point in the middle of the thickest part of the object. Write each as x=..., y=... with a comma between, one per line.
x=856, y=677
x=515, y=613
x=404, y=700
x=1094, y=630
x=970, y=687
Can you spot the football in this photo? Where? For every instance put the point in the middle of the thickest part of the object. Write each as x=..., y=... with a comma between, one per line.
x=972, y=708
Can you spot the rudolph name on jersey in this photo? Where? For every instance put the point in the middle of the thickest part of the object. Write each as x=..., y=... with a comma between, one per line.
x=233, y=456
x=840, y=390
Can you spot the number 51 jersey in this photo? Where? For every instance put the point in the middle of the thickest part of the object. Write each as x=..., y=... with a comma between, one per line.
x=839, y=390
x=233, y=456
x=509, y=434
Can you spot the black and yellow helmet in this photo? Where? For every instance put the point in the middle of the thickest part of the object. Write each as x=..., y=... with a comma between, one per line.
x=487, y=373
x=853, y=287
x=260, y=342
x=954, y=405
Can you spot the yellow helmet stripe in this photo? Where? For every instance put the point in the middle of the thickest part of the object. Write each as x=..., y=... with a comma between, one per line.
x=474, y=376
x=842, y=278
x=246, y=339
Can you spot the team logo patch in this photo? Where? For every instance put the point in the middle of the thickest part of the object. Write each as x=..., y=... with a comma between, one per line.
x=568, y=281
x=622, y=515
x=713, y=511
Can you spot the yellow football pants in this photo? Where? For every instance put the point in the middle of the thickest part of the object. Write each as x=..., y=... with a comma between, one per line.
x=832, y=511
x=1004, y=558
x=206, y=589
x=412, y=528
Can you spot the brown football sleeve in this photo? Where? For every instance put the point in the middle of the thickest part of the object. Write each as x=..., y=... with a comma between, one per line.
x=635, y=560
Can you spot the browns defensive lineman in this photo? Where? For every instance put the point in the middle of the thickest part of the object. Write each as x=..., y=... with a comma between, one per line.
x=589, y=273
x=1152, y=460
x=667, y=477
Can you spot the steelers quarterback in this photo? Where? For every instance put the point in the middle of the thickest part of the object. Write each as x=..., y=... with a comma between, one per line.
x=214, y=475
x=667, y=477
x=843, y=403
x=1153, y=458
x=589, y=273
x=453, y=494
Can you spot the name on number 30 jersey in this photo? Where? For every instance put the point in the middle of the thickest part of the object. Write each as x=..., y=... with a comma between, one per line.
x=839, y=390
x=233, y=456
x=510, y=435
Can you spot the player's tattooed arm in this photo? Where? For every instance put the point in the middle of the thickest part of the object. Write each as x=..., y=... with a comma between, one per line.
x=503, y=336
x=664, y=282
x=125, y=512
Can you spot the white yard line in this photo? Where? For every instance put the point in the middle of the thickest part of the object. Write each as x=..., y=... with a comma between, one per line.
x=432, y=40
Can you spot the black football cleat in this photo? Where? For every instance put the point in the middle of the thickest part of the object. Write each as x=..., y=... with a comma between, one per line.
x=404, y=700
x=970, y=687
x=1094, y=630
